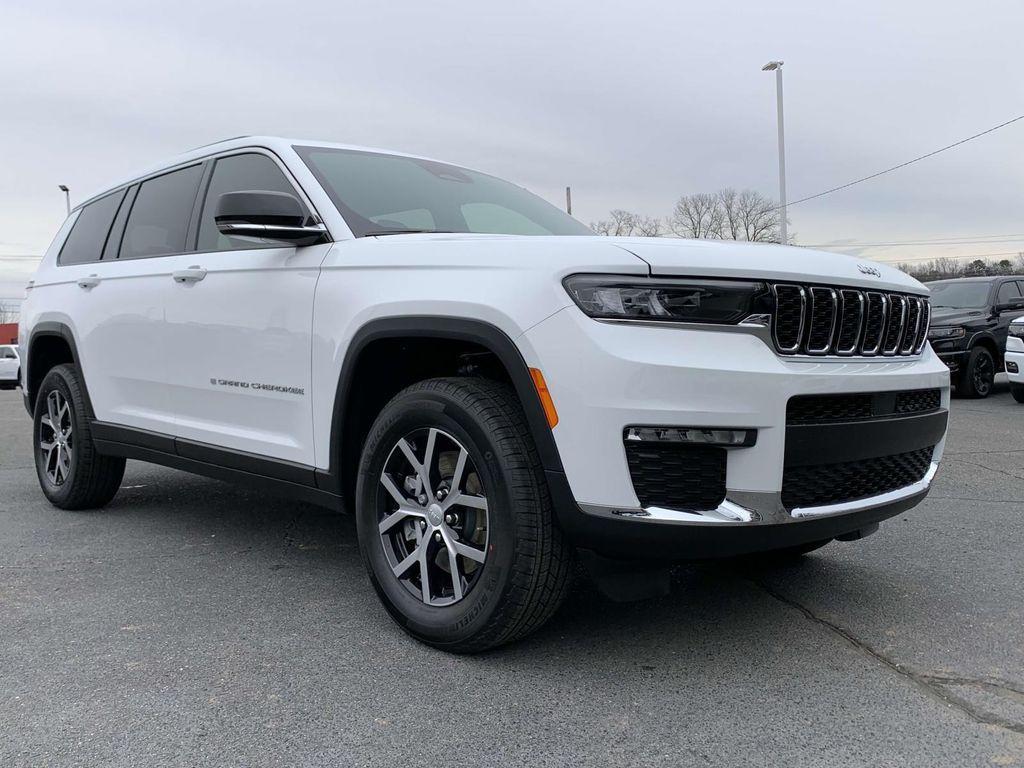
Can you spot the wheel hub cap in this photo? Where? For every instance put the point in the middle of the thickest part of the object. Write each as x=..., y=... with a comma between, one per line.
x=435, y=515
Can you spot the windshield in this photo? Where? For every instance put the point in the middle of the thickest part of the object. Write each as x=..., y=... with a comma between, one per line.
x=960, y=295
x=382, y=194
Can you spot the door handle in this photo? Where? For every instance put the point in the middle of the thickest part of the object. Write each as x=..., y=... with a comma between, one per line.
x=193, y=274
x=89, y=282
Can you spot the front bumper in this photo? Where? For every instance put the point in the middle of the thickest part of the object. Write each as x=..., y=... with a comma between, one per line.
x=1014, y=359
x=605, y=377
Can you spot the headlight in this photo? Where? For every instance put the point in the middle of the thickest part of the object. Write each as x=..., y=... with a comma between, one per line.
x=945, y=333
x=1017, y=330
x=681, y=301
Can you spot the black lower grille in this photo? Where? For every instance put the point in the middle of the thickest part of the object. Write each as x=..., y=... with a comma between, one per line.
x=858, y=406
x=918, y=401
x=821, y=484
x=689, y=477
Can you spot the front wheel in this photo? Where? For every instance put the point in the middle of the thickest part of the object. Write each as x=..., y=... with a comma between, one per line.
x=71, y=473
x=978, y=375
x=1017, y=390
x=454, y=517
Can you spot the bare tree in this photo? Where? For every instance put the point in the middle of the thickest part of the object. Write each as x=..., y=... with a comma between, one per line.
x=697, y=216
x=649, y=226
x=619, y=224
x=759, y=217
x=946, y=267
x=723, y=215
x=732, y=224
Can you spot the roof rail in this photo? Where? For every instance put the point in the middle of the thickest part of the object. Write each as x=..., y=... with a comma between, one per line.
x=219, y=141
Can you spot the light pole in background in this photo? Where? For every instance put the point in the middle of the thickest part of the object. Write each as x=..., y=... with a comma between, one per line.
x=776, y=67
x=67, y=197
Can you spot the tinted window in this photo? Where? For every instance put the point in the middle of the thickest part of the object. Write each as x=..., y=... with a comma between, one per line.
x=376, y=193
x=960, y=294
x=6, y=353
x=85, y=243
x=236, y=174
x=1008, y=292
x=159, y=219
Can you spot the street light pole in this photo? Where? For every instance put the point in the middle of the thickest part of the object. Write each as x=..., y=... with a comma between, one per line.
x=67, y=197
x=776, y=66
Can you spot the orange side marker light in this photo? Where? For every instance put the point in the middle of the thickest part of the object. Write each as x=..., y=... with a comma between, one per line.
x=545, y=397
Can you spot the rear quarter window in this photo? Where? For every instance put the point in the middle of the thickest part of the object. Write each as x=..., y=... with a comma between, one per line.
x=89, y=233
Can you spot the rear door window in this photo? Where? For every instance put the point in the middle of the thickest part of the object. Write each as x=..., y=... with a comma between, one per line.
x=89, y=234
x=238, y=173
x=158, y=222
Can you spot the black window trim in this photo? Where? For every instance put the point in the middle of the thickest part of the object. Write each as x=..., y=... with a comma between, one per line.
x=190, y=240
x=106, y=237
x=116, y=234
x=188, y=226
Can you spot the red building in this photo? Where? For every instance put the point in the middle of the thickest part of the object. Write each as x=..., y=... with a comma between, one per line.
x=8, y=333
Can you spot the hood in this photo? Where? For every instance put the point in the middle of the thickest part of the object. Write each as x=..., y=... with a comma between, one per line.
x=956, y=316
x=728, y=258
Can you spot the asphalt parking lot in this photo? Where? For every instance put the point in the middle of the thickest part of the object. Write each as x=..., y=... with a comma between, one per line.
x=195, y=623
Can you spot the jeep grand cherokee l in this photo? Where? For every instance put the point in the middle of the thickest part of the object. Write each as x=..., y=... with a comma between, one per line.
x=488, y=386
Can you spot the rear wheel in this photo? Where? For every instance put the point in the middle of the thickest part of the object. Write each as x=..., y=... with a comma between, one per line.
x=1017, y=390
x=978, y=375
x=454, y=517
x=71, y=473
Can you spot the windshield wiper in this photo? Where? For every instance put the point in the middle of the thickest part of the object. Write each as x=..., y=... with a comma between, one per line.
x=409, y=232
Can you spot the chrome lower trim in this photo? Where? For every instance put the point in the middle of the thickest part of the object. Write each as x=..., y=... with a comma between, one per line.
x=758, y=508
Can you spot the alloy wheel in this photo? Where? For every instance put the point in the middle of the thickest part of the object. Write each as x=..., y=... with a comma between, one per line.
x=984, y=373
x=56, y=439
x=433, y=516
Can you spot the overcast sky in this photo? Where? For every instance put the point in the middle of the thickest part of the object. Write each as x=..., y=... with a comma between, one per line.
x=633, y=104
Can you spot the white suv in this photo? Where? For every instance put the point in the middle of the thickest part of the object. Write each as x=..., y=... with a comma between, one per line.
x=10, y=366
x=488, y=386
x=1014, y=358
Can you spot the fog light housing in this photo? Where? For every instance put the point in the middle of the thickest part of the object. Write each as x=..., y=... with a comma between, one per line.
x=727, y=437
x=1012, y=367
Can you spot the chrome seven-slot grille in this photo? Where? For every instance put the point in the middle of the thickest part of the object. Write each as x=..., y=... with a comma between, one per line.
x=819, y=320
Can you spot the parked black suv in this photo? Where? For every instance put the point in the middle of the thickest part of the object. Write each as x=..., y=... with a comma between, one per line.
x=970, y=318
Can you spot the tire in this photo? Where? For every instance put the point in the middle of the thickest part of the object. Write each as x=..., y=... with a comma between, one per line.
x=525, y=573
x=1017, y=390
x=978, y=375
x=86, y=480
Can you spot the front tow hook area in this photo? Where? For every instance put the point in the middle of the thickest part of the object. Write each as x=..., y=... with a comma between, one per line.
x=626, y=581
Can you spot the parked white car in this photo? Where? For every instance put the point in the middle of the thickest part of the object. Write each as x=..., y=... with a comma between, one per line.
x=486, y=384
x=10, y=366
x=1014, y=359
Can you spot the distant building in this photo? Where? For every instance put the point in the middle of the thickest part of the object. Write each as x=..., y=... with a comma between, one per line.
x=8, y=333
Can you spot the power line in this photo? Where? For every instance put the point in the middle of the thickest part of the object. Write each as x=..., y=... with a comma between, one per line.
x=904, y=165
x=918, y=243
x=1009, y=237
x=965, y=256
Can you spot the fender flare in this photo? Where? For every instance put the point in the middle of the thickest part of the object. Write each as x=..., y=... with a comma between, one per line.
x=61, y=331
x=478, y=332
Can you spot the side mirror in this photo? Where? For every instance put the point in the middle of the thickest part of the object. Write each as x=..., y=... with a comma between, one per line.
x=268, y=215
